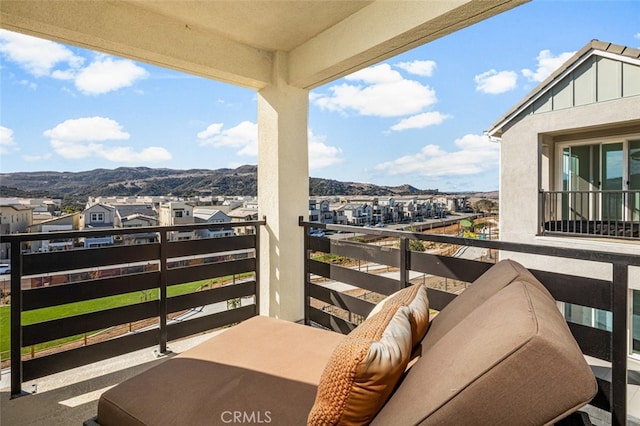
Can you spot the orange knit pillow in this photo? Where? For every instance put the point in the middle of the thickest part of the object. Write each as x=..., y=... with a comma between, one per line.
x=363, y=370
x=415, y=298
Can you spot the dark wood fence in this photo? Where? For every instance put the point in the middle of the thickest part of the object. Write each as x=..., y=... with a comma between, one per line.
x=121, y=269
x=607, y=295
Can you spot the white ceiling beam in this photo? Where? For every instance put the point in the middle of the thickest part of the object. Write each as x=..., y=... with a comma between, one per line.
x=380, y=31
x=129, y=31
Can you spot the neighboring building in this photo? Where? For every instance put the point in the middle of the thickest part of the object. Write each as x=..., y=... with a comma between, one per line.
x=40, y=214
x=338, y=214
x=357, y=214
x=326, y=215
x=242, y=214
x=320, y=211
x=314, y=211
x=570, y=168
x=14, y=218
x=135, y=209
x=137, y=220
x=177, y=213
x=98, y=216
x=137, y=214
x=390, y=210
x=208, y=215
x=68, y=222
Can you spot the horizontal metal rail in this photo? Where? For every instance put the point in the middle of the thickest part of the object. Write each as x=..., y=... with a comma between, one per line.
x=80, y=276
x=606, y=295
x=607, y=213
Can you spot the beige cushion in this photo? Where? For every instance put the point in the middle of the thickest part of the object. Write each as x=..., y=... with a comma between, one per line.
x=264, y=367
x=511, y=361
x=364, y=369
x=495, y=279
x=415, y=298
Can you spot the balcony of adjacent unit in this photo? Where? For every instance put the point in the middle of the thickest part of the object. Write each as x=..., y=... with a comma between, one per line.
x=598, y=191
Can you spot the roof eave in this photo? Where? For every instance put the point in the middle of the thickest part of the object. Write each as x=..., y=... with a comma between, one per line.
x=592, y=48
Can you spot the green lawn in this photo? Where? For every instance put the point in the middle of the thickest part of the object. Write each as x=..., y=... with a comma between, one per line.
x=72, y=309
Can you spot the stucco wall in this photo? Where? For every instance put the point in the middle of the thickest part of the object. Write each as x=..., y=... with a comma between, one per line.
x=519, y=181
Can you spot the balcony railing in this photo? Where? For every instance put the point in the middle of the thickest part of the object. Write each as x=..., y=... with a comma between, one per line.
x=612, y=214
x=95, y=276
x=338, y=309
x=335, y=307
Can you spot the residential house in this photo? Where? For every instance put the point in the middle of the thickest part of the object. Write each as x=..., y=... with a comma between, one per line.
x=138, y=220
x=67, y=222
x=390, y=210
x=14, y=217
x=339, y=216
x=410, y=210
x=99, y=216
x=241, y=214
x=320, y=211
x=208, y=215
x=40, y=214
x=176, y=213
x=314, y=211
x=326, y=214
x=570, y=169
x=357, y=214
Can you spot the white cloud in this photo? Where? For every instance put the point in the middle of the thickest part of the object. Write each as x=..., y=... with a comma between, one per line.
x=125, y=154
x=382, y=92
x=87, y=129
x=420, y=121
x=637, y=35
x=320, y=154
x=421, y=68
x=212, y=130
x=107, y=74
x=43, y=58
x=244, y=136
x=475, y=155
x=494, y=82
x=7, y=143
x=36, y=158
x=36, y=56
x=547, y=63
x=79, y=138
x=68, y=74
x=30, y=84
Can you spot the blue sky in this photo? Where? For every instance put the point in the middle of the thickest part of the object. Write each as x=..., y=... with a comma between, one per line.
x=417, y=118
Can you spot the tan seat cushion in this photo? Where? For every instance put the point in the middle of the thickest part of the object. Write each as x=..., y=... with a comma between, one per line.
x=495, y=279
x=415, y=298
x=364, y=369
x=512, y=361
x=261, y=368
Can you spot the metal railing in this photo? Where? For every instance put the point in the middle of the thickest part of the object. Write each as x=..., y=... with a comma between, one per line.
x=606, y=295
x=88, y=275
x=612, y=214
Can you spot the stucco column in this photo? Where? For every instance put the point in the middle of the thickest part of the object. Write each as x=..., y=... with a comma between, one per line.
x=283, y=193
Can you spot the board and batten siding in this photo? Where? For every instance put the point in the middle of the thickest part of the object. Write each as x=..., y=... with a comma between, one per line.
x=598, y=79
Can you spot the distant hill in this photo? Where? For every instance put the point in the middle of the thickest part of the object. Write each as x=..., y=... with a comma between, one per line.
x=131, y=181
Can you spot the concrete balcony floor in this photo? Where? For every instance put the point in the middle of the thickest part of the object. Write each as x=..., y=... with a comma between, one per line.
x=71, y=397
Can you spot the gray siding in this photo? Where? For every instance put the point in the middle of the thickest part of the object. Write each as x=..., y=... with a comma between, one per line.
x=598, y=79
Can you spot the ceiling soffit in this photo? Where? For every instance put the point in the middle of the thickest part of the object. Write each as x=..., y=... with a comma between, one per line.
x=235, y=41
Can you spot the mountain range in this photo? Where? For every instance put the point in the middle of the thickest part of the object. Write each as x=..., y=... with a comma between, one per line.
x=132, y=181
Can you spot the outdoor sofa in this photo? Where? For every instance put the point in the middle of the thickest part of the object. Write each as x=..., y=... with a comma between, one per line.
x=499, y=354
